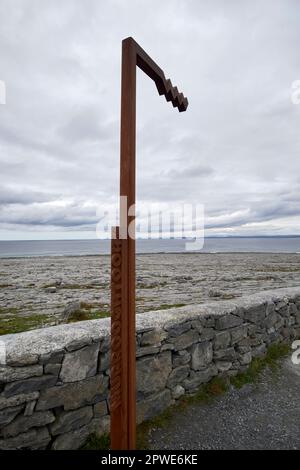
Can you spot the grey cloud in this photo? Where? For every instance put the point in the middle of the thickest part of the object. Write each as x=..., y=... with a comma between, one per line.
x=236, y=149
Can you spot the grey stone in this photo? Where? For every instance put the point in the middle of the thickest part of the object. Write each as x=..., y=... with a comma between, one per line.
x=222, y=340
x=207, y=334
x=181, y=359
x=256, y=314
x=270, y=308
x=239, y=333
x=33, y=439
x=185, y=340
x=74, y=395
x=153, y=337
x=223, y=366
x=259, y=351
x=72, y=440
x=80, y=364
x=197, y=325
x=29, y=408
x=228, y=354
x=153, y=406
x=100, y=409
x=245, y=358
x=52, y=358
x=152, y=373
x=29, y=385
x=104, y=361
x=8, y=414
x=20, y=358
x=11, y=374
x=52, y=369
x=147, y=350
x=71, y=420
x=17, y=400
x=178, y=329
x=177, y=392
x=197, y=378
x=79, y=343
x=202, y=354
x=23, y=423
x=271, y=320
x=177, y=376
x=228, y=321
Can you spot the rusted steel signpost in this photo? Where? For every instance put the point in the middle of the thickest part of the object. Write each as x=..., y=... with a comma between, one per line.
x=123, y=371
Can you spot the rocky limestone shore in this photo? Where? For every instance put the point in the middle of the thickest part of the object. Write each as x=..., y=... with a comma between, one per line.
x=37, y=292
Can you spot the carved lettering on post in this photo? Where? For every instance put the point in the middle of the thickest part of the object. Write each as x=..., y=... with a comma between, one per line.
x=116, y=325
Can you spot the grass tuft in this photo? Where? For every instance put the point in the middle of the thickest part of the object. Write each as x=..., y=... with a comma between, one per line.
x=97, y=442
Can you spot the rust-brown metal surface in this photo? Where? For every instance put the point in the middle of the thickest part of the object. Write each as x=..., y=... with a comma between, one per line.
x=123, y=356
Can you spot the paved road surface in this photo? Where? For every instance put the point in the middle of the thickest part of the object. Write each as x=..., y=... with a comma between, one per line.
x=262, y=416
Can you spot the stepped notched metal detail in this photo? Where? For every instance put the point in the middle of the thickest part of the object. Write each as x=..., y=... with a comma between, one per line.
x=123, y=355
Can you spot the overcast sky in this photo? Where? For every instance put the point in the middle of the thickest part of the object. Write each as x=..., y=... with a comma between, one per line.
x=236, y=149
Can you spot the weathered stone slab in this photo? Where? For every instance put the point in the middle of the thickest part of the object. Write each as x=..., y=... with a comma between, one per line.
x=17, y=400
x=177, y=329
x=29, y=385
x=222, y=340
x=153, y=337
x=8, y=414
x=33, y=439
x=79, y=365
x=228, y=354
x=71, y=420
x=153, y=406
x=238, y=334
x=11, y=374
x=197, y=378
x=181, y=358
x=23, y=423
x=100, y=409
x=185, y=340
x=228, y=321
x=74, y=395
x=152, y=373
x=202, y=355
x=177, y=376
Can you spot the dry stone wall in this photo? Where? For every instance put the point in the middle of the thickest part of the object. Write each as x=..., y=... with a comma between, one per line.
x=54, y=385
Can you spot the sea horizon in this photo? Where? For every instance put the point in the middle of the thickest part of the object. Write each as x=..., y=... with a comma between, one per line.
x=94, y=247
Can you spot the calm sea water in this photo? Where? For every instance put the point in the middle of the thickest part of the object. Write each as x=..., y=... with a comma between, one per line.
x=31, y=248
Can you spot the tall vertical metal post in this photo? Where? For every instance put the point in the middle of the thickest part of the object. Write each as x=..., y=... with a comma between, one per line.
x=123, y=356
